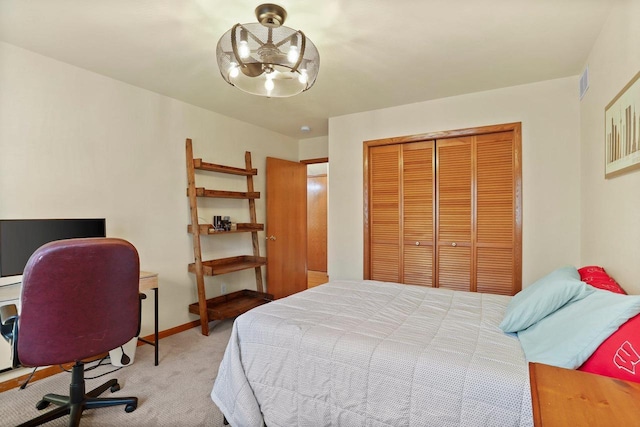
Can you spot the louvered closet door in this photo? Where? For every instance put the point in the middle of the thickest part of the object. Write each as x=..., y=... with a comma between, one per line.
x=418, y=207
x=454, y=242
x=446, y=213
x=384, y=218
x=495, y=224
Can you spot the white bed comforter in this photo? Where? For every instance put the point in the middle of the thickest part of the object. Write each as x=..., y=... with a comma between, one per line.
x=368, y=353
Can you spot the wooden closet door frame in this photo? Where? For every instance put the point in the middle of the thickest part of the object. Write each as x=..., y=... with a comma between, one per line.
x=515, y=127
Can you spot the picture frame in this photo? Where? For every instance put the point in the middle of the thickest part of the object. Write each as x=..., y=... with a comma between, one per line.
x=622, y=130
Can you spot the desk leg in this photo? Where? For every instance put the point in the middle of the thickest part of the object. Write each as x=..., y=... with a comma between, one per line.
x=156, y=341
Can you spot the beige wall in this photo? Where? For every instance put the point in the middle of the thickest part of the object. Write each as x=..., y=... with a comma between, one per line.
x=78, y=144
x=610, y=208
x=549, y=112
x=314, y=148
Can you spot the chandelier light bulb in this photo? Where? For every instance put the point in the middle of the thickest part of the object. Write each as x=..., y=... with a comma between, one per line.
x=293, y=54
x=243, y=49
x=268, y=83
x=303, y=77
x=234, y=70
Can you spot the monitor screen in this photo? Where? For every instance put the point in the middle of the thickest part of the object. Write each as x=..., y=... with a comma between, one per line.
x=19, y=238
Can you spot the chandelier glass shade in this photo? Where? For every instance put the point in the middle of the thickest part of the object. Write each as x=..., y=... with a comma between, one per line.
x=266, y=58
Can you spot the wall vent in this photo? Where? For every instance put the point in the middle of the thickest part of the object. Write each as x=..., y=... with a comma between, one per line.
x=584, y=82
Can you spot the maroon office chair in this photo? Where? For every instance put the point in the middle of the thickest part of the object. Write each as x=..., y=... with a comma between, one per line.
x=79, y=300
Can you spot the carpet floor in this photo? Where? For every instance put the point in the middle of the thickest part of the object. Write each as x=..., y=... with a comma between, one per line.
x=175, y=393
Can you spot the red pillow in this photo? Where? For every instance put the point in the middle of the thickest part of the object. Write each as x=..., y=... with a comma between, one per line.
x=598, y=278
x=619, y=355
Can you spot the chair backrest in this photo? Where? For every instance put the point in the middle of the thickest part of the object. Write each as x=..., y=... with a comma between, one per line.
x=79, y=299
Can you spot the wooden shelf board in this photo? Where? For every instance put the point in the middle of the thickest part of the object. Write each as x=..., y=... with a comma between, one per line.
x=249, y=226
x=222, y=194
x=242, y=228
x=233, y=304
x=212, y=167
x=228, y=265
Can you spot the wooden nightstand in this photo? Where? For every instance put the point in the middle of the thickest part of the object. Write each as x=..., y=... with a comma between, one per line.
x=566, y=397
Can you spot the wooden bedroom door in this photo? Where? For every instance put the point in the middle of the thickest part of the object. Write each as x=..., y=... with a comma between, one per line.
x=317, y=223
x=286, y=227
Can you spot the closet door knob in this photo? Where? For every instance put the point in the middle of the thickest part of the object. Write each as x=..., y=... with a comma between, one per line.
x=270, y=238
x=454, y=244
x=417, y=243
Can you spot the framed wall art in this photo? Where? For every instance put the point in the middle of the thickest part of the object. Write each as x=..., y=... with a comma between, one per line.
x=622, y=130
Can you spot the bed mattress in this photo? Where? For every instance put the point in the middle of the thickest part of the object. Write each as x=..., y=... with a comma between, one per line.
x=367, y=353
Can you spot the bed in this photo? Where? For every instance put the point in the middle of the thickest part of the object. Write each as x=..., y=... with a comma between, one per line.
x=367, y=353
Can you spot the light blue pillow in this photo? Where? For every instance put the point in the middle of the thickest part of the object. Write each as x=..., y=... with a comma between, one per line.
x=569, y=336
x=543, y=297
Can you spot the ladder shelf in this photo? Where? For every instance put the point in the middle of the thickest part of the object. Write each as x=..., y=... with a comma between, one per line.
x=235, y=303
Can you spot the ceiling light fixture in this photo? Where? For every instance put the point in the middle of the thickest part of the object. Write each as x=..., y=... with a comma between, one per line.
x=266, y=58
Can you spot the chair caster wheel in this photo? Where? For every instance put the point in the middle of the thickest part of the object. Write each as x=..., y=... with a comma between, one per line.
x=130, y=408
x=42, y=404
x=115, y=388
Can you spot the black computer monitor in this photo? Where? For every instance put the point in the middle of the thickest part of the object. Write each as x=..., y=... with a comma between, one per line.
x=19, y=238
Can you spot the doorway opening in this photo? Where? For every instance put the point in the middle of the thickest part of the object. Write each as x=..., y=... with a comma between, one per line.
x=317, y=196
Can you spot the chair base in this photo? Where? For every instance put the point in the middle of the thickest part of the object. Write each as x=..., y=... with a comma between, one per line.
x=78, y=400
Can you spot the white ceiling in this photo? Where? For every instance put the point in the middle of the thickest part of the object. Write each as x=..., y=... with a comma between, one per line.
x=373, y=54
